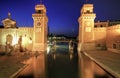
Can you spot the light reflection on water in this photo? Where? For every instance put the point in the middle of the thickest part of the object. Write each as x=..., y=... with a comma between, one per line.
x=60, y=62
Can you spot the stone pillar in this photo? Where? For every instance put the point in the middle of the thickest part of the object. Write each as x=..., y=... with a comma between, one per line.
x=40, y=28
x=86, y=28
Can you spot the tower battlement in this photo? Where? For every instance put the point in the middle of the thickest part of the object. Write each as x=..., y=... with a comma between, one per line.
x=87, y=8
x=100, y=29
x=40, y=9
x=114, y=27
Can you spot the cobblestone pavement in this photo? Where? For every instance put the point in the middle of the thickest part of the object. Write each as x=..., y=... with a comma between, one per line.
x=11, y=64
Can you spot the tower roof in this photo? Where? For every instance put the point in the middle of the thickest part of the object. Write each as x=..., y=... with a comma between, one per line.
x=87, y=8
x=40, y=6
x=40, y=9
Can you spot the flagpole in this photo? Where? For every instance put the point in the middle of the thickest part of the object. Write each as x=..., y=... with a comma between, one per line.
x=40, y=1
x=86, y=1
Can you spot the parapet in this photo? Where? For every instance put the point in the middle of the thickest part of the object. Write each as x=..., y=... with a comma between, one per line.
x=114, y=27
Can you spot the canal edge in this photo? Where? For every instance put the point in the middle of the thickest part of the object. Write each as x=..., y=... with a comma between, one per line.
x=19, y=70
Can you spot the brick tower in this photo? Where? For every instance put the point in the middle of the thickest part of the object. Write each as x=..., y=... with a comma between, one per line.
x=40, y=28
x=86, y=28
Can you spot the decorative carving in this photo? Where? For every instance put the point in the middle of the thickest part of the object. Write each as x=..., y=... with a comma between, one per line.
x=8, y=22
x=87, y=23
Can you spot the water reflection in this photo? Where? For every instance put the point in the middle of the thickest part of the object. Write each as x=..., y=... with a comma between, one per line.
x=54, y=56
x=71, y=56
x=39, y=66
x=36, y=68
x=62, y=61
x=89, y=69
x=63, y=66
x=59, y=62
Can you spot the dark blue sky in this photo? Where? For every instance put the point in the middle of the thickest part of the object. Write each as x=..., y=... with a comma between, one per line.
x=62, y=14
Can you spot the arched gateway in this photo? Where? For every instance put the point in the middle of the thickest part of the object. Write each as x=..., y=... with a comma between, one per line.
x=28, y=38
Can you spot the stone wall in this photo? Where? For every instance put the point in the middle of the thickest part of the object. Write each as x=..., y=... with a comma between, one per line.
x=107, y=38
x=15, y=33
x=100, y=38
x=27, y=34
x=113, y=38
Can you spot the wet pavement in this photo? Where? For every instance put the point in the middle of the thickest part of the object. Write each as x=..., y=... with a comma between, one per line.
x=11, y=64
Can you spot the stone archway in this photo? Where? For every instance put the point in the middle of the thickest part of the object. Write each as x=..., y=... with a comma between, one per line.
x=20, y=44
x=9, y=40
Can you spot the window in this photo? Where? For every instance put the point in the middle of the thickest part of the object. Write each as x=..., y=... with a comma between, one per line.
x=114, y=46
x=95, y=25
x=119, y=46
x=98, y=45
x=39, y=11
x=88, y=11
x=101, y=25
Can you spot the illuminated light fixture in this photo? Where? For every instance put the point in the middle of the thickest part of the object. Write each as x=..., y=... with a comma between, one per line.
x=24, y=40
x=14, y=42
x=48, y=49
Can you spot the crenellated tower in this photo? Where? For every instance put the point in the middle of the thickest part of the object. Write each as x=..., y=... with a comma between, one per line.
x=40, y=28
x=86, y=28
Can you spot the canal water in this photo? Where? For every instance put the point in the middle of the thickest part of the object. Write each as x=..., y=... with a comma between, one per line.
x=63, y=67
x=60, y=62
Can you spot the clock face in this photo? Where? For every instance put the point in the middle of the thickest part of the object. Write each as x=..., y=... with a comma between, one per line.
x=38, y=23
